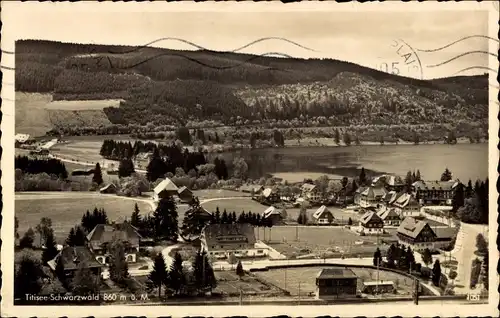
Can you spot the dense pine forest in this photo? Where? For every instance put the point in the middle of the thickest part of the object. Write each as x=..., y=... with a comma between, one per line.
x=176, y=88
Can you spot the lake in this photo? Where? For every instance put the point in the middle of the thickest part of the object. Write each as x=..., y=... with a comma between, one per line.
x=466, y=161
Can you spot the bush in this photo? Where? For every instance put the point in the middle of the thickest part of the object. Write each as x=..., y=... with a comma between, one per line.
x=425, y=272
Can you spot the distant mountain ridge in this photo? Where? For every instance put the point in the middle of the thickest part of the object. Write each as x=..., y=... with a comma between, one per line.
x=169, y=87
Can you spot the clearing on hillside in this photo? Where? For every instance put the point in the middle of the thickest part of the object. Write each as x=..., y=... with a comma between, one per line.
x=36, y=114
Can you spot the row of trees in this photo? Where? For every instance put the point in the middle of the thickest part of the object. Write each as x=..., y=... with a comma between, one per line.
x=34, y=166
x=178, y=281
x=188, y=161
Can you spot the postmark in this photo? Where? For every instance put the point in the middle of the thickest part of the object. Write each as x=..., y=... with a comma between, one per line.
x=234, y=164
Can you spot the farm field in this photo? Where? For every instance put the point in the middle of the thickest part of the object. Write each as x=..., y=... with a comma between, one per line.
x=230, y=284
x=36, y=113
x=66, y=209
x=318, y=241
x=86, y=151
x=219, y=193
x=82, y=104
x=307, y=278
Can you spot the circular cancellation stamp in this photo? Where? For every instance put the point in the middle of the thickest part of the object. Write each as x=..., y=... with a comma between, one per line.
x=403, y=62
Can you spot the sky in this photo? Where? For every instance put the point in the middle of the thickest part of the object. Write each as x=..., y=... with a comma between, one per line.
x=372, y=39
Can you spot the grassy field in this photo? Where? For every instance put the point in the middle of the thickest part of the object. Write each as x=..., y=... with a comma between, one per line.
x=66, y=212
x=216, y=193
x=83, y=104
x=307, y=278
x=236, y=205
x=37, y=113
x=230, y=284
x=318, y=241
x=31, y=116
x=86, y=151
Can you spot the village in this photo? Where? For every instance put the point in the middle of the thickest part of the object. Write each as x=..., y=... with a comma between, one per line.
x=318, y=240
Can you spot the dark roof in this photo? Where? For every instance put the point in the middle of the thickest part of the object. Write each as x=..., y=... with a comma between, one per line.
x=411, y=227
x=72, y=256
x=215, y=233
x=308, y=187
x=370, y=216
x=435, y=185
x=445, y=232
x=322, y=210
x=184, y=189
x=104, y=233
x=386, y=212
x=336, y=273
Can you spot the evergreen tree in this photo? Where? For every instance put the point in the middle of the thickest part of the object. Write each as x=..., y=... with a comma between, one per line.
x=410, y=259
x=165, y=219
x=135, y=219
x=84, y=282
x=239, y=270
x=118, y=267
x=44, y=228
x=377, y=258
x=176, y=276
x=337, y=136
x=427, y=257
x=242, y=218
x=224, y=218
x=97, y=178
x=158, y=276
x=27, y=239
x=418, y=177
x=391, y=256
x=408, y=181
x=126, y=168
x=458, y=199
x=194, y=220
x=362, y=177
x=446, y=175
x=50, y=250
x=217, y=216
x=233, y=217
x=469, y=190
x=436, y=273
x=76, y=237
x=203, y=273
x=349, y=222
x=481, y=244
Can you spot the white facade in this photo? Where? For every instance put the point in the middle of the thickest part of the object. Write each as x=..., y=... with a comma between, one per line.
x=370, y=230
x=252, y=252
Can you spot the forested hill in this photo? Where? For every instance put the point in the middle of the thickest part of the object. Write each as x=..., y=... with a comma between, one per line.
x=165, y=87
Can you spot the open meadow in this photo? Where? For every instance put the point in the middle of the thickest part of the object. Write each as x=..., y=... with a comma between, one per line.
x=65, y=209
x=37, y=113
x=83, y=104
x=290, y=278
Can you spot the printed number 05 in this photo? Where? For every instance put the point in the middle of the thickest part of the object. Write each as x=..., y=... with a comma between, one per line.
x=394, y=70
